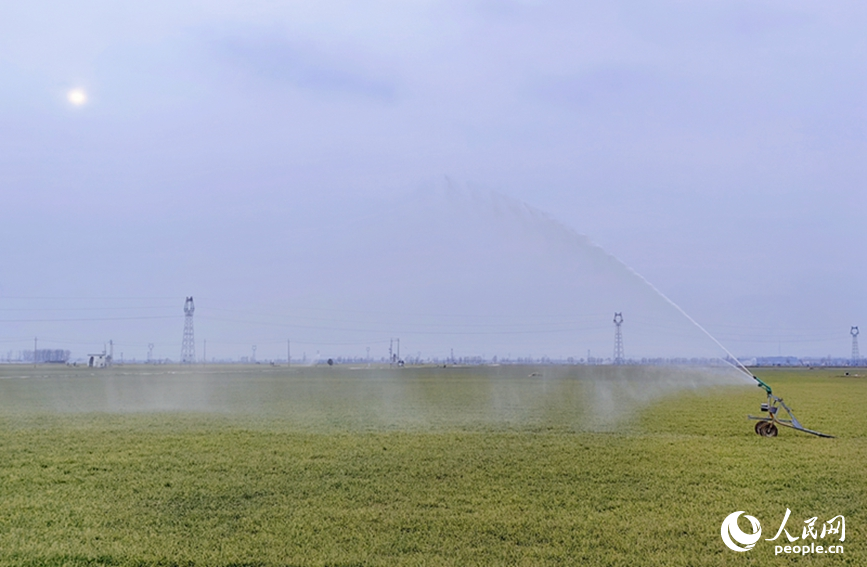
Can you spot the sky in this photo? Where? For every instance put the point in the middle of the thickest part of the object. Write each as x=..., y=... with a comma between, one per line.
x=285, y=163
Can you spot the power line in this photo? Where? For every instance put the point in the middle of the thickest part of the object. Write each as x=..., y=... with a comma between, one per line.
x=50, y=309
x=80, y=319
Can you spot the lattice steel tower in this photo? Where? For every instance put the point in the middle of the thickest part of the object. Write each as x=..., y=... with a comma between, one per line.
x=618, y=339
x=188, y=346
x=856, y=358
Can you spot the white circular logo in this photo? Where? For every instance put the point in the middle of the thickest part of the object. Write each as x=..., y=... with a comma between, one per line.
x=730, y=531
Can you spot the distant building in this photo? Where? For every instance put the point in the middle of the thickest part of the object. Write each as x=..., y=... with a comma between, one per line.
x=98, y=360
x=778, y=361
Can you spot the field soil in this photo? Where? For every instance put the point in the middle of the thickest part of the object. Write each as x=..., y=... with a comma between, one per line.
x=213, y=466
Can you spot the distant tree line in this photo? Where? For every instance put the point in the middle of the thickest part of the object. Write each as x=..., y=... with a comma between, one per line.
x=44, y=355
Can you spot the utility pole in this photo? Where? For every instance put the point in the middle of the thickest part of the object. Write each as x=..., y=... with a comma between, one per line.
x=618, y=339
x=188, y=345
x=856, y=357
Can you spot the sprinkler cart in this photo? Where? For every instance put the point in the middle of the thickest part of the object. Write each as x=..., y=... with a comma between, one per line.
x=766, y=426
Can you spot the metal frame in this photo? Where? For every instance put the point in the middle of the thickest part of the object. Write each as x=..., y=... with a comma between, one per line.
x=767, y=426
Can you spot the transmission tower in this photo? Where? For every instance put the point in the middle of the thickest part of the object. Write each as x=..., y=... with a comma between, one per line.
x=618, y=339
x=188, y=346
x=856, y=358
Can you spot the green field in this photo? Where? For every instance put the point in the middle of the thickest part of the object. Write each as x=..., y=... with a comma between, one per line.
x=479, y=466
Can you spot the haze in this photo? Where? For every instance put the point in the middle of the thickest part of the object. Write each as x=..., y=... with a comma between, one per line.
x=252, y=154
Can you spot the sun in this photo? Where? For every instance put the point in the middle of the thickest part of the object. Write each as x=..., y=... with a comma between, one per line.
x=77, y=97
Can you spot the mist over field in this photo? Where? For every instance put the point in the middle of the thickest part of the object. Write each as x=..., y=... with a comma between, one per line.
x=353, y=398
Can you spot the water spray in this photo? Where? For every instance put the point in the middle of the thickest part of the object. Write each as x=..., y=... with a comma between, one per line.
x=767, y=425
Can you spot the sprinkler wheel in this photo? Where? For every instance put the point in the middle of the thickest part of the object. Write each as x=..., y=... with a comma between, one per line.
x=766, y=429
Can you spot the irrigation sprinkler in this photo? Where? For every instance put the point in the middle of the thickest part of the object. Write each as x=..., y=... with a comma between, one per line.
x=766, y=426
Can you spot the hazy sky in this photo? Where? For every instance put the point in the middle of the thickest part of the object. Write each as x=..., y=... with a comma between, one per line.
x=246, y=153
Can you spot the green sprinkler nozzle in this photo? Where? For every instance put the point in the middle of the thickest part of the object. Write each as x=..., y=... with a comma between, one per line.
x=762, y=384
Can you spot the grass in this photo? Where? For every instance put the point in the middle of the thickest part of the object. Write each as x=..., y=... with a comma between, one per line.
x=227, y=486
